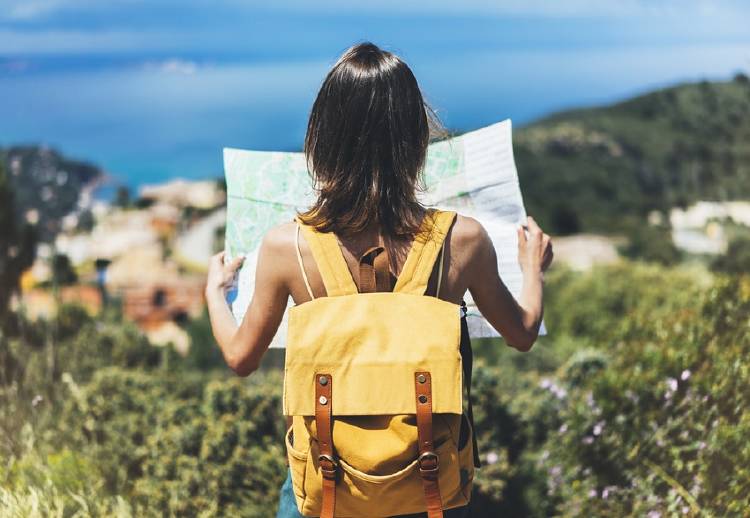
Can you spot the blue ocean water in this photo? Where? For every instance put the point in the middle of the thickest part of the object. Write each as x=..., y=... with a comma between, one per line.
x=166, y=108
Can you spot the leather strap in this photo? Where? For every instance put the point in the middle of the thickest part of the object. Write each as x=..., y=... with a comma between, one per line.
x=429, y=463
x=326, y=461
x=374, y=270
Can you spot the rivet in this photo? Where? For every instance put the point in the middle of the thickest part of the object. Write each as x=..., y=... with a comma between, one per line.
x=323, y=380
x=323, y=400
x=421, y=378
x=423, y=399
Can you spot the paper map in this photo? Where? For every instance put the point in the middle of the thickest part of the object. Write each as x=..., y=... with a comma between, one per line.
x=473, y=174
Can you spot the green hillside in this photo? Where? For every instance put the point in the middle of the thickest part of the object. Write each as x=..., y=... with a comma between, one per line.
x=46, y=182
x=603, y=169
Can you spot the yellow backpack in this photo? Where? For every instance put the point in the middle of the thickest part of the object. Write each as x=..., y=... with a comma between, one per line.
x=373, y=382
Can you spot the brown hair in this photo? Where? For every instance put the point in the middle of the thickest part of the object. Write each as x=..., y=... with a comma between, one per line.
x=366, y=145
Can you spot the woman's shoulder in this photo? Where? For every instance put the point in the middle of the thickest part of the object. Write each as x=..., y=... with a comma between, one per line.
x=280, y=238
x=467, y=232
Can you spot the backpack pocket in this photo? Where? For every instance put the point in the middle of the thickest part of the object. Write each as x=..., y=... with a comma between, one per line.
x=400, y=492
x=465, y=448
x=297, y=464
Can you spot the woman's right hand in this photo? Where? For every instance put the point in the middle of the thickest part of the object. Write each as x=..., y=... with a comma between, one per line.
x=220, y=275
x=535, y=250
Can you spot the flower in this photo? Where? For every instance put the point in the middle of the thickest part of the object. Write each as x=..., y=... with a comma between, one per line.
x=492, y=457
x=685, y=375
x=559, y=392
x=37, y=399
x=598, y=427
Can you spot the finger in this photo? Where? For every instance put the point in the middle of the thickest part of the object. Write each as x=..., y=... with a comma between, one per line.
x=550, y=258
x=235, y=263
x=534, y=229
x=521, y=235
x=218, y=258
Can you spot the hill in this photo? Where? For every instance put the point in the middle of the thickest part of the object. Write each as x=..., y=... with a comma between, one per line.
x=604, y=169
x=46, y=185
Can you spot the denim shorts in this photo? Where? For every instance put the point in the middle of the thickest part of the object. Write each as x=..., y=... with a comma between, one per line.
x=288, y=505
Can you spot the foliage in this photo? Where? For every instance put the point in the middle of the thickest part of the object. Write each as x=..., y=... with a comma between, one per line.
x=17, y=244
x=34, y=358
x=204, y=353
x=651, y=433
x=652, y=243
x=604, y=169
x=46, y=182
x=736, y=259
x=636, y=404
x=62, y=270
x=610, y=302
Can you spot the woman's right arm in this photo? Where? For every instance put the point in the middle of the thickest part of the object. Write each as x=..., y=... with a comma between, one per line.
x=517, y=321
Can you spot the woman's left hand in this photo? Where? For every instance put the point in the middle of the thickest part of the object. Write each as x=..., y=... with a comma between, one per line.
x=220, y=275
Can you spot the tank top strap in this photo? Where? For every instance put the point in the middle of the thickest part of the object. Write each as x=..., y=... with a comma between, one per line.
x=425, y=249
x=330, y=261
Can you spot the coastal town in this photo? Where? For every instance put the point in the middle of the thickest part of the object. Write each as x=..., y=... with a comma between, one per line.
x=148, y=256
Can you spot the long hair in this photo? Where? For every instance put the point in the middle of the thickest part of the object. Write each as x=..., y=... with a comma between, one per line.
x=366, y=145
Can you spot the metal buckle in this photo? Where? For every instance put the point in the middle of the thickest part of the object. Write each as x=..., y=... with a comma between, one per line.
x=428, y=456
x=328, y=470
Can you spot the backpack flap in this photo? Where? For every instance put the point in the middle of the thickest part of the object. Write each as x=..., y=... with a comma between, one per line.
x=372, y=344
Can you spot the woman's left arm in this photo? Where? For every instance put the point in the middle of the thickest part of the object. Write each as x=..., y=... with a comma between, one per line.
x=243, y=346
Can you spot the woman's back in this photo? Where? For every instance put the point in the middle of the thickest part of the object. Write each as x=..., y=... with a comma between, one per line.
x=460, y=246
x=366, y=146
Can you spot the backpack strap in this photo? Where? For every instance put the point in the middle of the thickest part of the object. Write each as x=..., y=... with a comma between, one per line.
x=467, y=362
x=374, y=270
x=428, y=461
x=330, y=261
x=324, y=426
x=427, y=244
x=301, y=264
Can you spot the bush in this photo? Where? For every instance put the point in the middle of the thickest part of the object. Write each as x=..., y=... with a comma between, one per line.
x=180, y=447
x=635, y=404
x=736, y=259
x=651, y=433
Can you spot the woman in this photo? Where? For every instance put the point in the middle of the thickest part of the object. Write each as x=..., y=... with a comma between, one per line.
x=366, y=144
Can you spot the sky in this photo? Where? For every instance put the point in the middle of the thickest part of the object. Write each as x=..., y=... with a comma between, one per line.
x=151, y=90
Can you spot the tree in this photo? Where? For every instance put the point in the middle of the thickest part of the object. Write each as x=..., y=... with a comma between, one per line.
x=736, y=260
x=62, y=270
x=652, y=243
x=17, y=245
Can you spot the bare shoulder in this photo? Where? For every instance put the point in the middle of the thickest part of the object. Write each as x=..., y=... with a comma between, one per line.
x=279, y=239
x=468, y=234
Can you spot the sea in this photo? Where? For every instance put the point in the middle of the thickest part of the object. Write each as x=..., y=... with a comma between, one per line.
x=146, y=116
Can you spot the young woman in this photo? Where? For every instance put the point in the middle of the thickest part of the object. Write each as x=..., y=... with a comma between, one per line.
x=366, y=144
